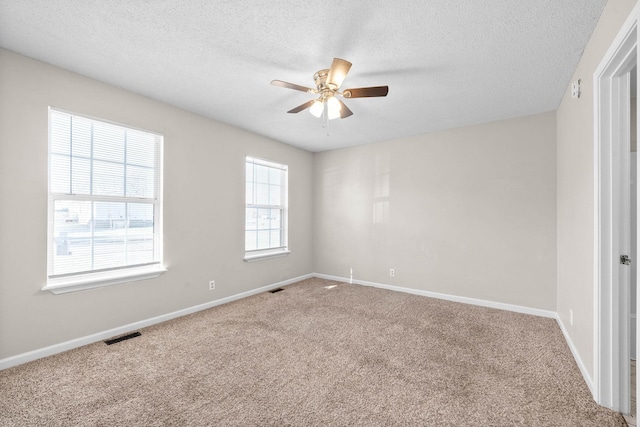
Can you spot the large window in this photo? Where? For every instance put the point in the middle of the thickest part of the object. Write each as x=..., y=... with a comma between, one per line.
x=104, y=203
x=266, y=209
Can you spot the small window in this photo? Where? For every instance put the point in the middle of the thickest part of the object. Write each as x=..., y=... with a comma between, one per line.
x=266, y=209
x=104, y=203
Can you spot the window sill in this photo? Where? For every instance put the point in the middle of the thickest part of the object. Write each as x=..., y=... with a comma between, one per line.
x=63, y=285
x=265, y=255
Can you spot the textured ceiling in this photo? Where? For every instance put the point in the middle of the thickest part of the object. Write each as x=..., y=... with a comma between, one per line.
x=447, y=63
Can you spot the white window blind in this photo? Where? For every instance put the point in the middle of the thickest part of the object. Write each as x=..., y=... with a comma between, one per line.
x=266, y=208
x=104, y=196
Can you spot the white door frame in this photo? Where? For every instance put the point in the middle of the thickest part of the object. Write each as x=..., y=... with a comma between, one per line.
x=611, y=215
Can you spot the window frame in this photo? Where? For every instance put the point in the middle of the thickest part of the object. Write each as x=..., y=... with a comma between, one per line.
x=283, y=249
x=81, y=280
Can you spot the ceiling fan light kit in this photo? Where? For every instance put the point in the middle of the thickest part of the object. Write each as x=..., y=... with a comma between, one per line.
x=328, y=82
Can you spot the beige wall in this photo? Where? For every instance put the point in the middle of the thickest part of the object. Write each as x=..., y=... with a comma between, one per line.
x=576, y=188
x=204, y=209
x=468, y=212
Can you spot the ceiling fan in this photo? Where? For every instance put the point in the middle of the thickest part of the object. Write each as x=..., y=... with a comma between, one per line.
x=328, y=84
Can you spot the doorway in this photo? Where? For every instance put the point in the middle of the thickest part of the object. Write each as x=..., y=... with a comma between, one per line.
x=612, y=213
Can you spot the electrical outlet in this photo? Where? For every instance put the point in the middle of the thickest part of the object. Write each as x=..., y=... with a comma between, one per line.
x=212, y=285
x=392, y=272
x=571, y=317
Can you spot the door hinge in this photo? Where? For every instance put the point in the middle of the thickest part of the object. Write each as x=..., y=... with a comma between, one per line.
x=624, y=259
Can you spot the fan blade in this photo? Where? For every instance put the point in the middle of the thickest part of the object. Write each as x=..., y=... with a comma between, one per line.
x=365, y=92
x=302, y=107
x=291, y=86
x=344, y=110
x=337, y=72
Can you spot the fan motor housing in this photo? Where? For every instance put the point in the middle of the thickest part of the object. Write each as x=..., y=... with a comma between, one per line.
x=321, y=80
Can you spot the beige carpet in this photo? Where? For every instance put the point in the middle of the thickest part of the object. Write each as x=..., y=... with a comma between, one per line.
x=310, y=356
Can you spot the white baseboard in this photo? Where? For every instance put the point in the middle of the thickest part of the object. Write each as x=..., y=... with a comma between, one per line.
x=448, y=297
x=576, y=357
x=90, y=339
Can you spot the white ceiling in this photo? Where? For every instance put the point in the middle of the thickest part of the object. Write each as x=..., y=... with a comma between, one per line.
x=447, y=63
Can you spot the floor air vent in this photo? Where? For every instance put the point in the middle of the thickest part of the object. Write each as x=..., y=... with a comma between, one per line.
x=273, y=291
x=122, y=338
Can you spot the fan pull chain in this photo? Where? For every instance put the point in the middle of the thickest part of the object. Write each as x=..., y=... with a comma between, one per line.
x=325, y=114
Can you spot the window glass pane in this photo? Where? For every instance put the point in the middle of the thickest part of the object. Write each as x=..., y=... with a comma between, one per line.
x=109, y=234
x=71, y=236
x=249, y=171
x=274, y=176
x=262, y=194
x=275, y=219
x=263, y=239
x=251, y=240
x=275, y=191
x=249, y=193
x=264, y=219
x=251, y=219
x=141, y=148
x=81, y=176
x=108, y=142
x=275, y=238
x=140, y=182
x=81, y=135
x=109, y=215
x=140, y=241
x=108, y=179
x=140, y=215
x=106, y=236
x=262, y=174
x=109, y=249
x=60, y=133
x=60, y=174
